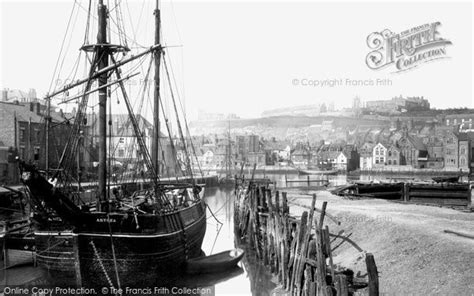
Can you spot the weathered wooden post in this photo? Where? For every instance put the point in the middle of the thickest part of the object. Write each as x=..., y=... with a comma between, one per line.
x=299, y=245
x=285, y=203
x=277, y=202
x=320, y=260
x=304, y=247
x=406, y=190
x=373, y=275
x=341, y=285
x=328, y=251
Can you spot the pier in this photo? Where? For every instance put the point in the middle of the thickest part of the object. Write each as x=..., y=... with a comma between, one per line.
x=297, y=251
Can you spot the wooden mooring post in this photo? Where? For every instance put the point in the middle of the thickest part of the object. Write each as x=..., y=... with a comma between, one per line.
x=297, y=251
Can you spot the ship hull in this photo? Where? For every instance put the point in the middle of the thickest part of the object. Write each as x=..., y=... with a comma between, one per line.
x=54, y=253
x=136, y=259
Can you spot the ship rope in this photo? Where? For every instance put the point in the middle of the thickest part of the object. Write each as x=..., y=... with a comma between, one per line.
x=102, y=267
x=186, y=122
x=113, y=252
x=219, y=227
x=180, y=130
x=143, y=148
x=173, y=147
x=62, y=47
x=72, y=142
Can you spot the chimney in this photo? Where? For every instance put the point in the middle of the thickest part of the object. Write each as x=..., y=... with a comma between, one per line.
x=38, y=108
x=32, y=107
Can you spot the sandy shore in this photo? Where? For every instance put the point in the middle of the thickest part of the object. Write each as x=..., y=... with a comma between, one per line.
x=413, y=254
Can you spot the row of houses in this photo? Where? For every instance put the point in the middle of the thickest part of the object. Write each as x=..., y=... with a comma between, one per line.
x=445, y=148
x=22, y=134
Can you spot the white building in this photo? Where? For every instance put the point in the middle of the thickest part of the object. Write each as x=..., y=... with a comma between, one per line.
x=379, y=155
x=341, y=162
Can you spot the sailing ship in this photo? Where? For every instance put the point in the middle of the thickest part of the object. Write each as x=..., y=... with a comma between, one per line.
x=129, y=240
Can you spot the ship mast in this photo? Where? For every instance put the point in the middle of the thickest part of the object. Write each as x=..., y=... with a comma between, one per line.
x=103, y=56
x=156, y=94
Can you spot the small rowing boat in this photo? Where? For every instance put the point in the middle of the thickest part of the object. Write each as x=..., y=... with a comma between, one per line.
x=215, y=263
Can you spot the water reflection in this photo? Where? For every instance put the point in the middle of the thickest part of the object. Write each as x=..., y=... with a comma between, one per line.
x=255, y=280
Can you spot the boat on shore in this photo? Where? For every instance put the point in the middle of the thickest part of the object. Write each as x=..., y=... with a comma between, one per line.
x=316, y=172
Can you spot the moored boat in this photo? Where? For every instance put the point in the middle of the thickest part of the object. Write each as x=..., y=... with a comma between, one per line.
x=121, y=238
x=215, y=263
x=316, y=172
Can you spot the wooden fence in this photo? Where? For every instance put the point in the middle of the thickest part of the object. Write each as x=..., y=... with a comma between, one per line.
x=298, y=252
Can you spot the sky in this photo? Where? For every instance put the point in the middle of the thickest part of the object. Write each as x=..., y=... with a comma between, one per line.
x=248, y=57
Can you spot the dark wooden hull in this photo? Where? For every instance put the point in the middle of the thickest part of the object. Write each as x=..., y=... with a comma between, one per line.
x=138, y=259
x=17, y=250
x=454, y=179
x=54, y=253
x=215, y=263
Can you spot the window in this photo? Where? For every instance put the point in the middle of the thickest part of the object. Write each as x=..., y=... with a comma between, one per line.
x=38, y=135
x=455, y=121
x=121, y=153
x=22, y=135
x=447, y=121
x=121, y=140
x=390, y=153
x=389, y=161
x=463, y=162
x=463, y=150
x=36, y=155
x=394, y=161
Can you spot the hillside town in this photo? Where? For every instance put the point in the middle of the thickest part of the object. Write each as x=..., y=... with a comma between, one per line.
x=398, y=135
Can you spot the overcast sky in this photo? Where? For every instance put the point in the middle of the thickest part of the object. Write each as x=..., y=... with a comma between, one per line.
x=243, y=57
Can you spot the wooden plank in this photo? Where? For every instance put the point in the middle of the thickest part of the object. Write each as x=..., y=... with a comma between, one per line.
x=460, y=234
